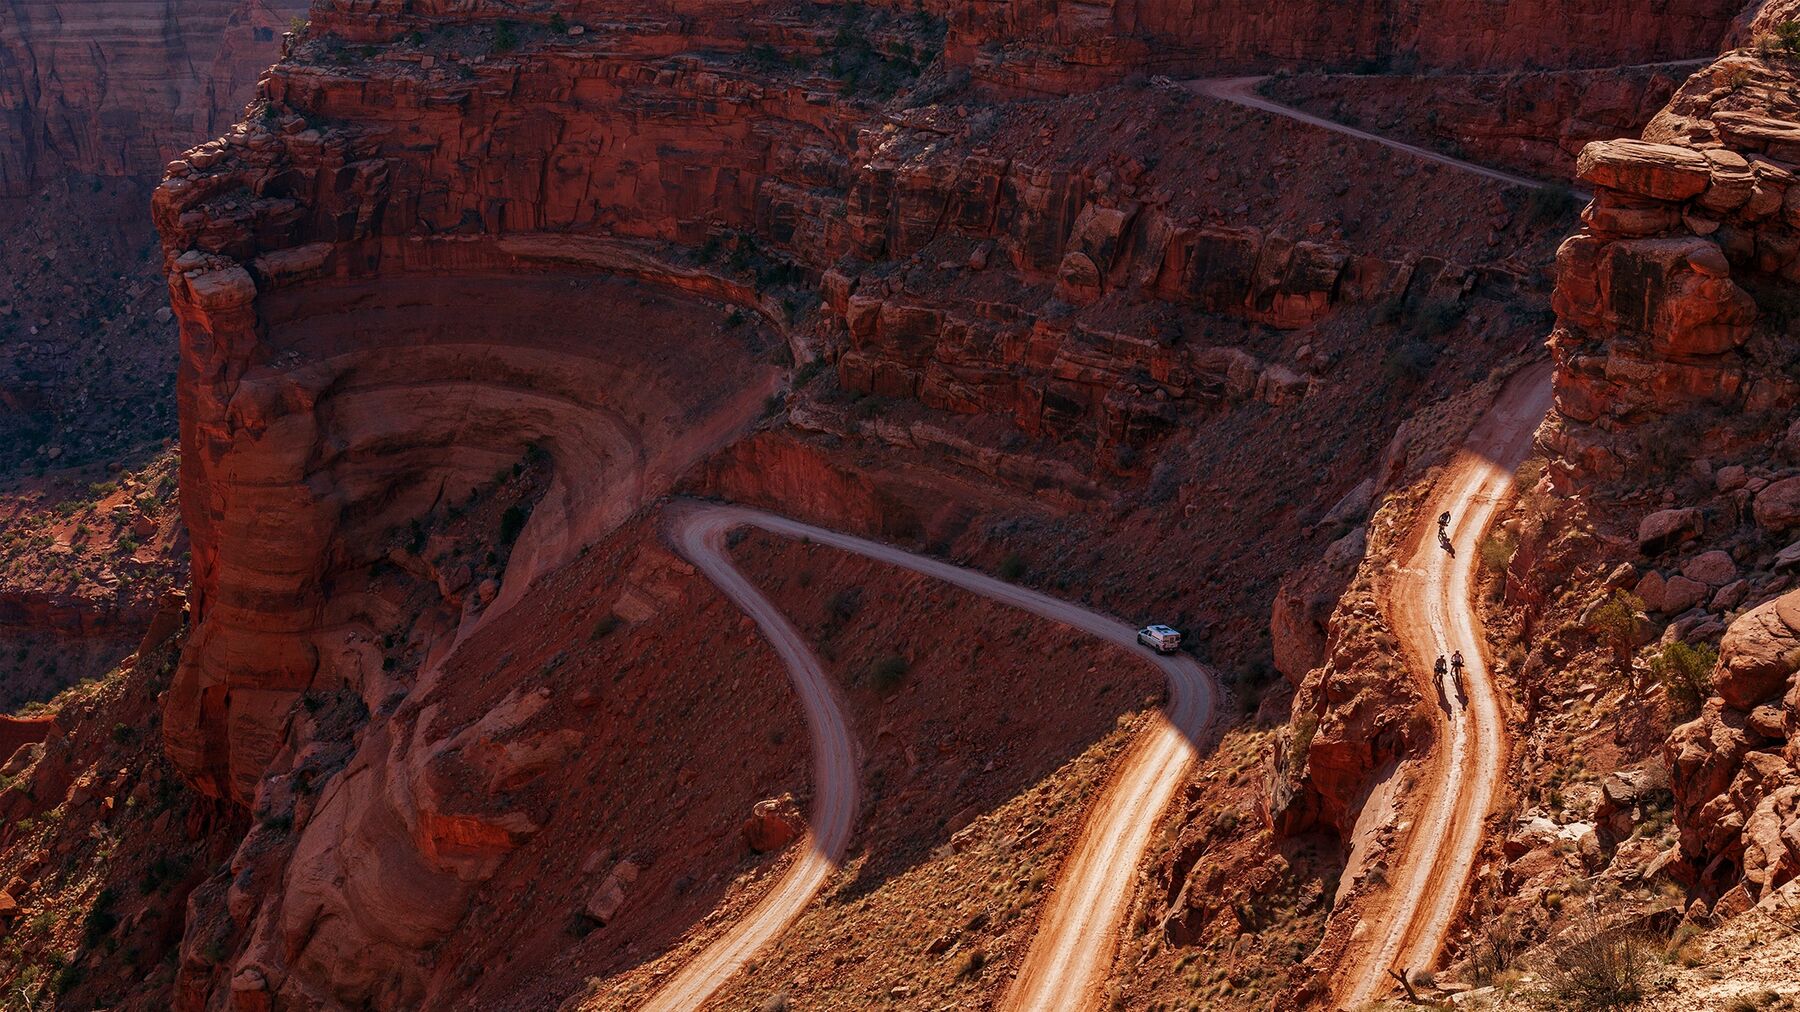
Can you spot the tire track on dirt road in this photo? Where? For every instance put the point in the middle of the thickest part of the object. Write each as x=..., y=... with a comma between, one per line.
x=1072, y=951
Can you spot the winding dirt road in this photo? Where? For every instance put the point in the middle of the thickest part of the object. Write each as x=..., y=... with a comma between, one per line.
x=1072, y=951
x=1242, y=91
x=1432, y=614
x=699, y=533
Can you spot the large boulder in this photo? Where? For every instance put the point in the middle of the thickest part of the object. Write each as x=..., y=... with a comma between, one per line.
x=606, y=900
x=773, y=824
x=1715, y=569
x=1665, y=529
x=1777, y=507
x=1661, y=171
x=1626, y=794
x=1759, y=653
x=1735, y=776
x=1680, y=593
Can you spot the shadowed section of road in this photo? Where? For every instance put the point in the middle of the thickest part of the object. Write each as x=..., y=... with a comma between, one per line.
x=1242, y=91
x=1072, y=950
x=1431, y=612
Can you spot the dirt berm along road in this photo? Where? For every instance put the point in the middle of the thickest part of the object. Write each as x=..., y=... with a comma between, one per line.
x=1076, y=935
x=1458, y=782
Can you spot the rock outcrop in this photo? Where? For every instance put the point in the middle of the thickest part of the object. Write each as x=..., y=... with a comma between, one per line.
x=1736, y=771
x=1672, y=298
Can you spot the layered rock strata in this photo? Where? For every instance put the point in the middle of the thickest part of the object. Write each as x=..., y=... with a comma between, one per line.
x=1676, y=296
x=118, y=88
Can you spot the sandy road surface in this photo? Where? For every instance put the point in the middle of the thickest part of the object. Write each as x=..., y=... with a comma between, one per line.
x=1242, y=91
x=1432, y=614
x=1073, y=948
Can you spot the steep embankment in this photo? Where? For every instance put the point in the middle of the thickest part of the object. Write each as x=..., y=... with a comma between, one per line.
x=1533, y=121
x=1244, y=91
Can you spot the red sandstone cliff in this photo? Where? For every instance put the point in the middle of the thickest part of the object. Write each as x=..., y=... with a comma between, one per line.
x=116, y=88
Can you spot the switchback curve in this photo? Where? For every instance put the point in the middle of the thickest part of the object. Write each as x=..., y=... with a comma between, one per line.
x=1072, y=950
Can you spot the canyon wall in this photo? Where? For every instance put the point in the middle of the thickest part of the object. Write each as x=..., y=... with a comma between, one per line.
x=117, y=88
x=451, y=238
x=286, y=240
x=1062, y=46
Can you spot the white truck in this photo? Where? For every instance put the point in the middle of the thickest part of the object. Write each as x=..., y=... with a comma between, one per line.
x=1160, y=638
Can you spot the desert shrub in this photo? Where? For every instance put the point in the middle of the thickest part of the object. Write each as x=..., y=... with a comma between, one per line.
x=1410, y=360
x=845, y=603
x=1306, y=725
x=1548, y=205
x=511, y=523
x=764, y=56
x=1617, y=623
x=100, y=920
x=1497, y=550
x=1496, y=950
x=1012, y=567
x=1685, y=673
x=608, y=624
x=1782, y=40
x=1670, y=442
x=558, y=24
x=1165, y=480
x=68, y=978
x=887, y=673
x=506, y=37
x=1601, y=971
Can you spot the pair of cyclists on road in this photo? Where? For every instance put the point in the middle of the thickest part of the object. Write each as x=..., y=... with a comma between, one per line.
x=1455, y=663
x=1455, y=667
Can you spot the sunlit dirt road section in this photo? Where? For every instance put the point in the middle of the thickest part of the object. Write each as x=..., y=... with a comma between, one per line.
x=1431, y=612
